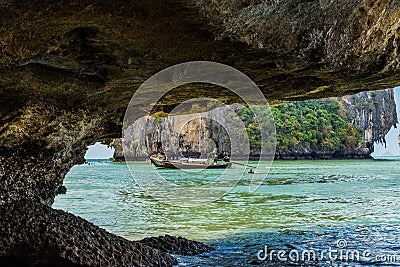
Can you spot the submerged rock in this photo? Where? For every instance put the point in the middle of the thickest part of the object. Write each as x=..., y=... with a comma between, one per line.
x=176, y=245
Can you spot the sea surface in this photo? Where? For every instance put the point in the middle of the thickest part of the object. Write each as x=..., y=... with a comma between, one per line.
x=346, y=213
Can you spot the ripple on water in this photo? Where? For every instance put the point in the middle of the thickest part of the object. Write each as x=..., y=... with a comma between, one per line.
x=242, y=249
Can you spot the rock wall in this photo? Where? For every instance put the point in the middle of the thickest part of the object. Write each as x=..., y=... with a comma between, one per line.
x=34, y=234
x=373, y=112
x=176, y=137
x=320, y=31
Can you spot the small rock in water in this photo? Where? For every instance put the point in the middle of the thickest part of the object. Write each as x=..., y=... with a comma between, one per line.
x=61, y=190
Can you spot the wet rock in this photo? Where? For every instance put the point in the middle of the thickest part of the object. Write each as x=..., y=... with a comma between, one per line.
x=61, y=190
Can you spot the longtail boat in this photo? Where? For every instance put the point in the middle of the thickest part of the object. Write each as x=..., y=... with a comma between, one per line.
x=188, y=163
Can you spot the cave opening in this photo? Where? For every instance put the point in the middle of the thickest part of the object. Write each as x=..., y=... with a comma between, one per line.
x=99, y=151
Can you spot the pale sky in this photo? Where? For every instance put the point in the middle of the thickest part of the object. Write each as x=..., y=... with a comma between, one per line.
x=99, y=151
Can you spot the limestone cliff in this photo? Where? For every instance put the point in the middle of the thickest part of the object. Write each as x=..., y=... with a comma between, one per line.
x=372, y=114
x=196, y=138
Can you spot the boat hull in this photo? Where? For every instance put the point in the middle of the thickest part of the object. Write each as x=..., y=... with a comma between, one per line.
x=176, y=164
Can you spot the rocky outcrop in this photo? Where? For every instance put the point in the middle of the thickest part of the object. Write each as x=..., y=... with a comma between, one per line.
x=178, y=136
x=372, y=114
x=69, y=68
x=34, y=234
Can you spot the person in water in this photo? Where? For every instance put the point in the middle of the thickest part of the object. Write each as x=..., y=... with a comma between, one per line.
x=251, y=171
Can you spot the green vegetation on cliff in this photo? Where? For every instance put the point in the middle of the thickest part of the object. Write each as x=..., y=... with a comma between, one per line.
x=307, y=126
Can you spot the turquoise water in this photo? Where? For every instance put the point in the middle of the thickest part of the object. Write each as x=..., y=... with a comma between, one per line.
x=302, y=205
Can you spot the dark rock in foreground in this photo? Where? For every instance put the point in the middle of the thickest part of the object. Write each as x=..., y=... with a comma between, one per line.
x=33, y=234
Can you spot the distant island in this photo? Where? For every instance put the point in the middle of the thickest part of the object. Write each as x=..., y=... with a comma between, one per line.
x=333, y=128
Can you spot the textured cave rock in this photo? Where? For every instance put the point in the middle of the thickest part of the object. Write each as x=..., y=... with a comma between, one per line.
x=292, y=49
x=69, y=68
